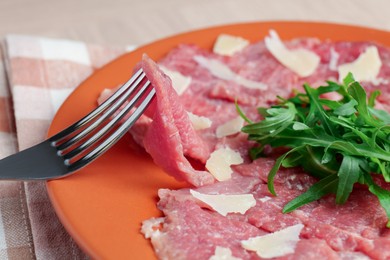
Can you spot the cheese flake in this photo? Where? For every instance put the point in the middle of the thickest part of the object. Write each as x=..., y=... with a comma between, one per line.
x=179, y=82
x=365, y=68
x=223, y=253
x=277, y=244
x=301, y=61
x=199, y=122
x=264, y=199
x=151, y=227
x=226, y=203
x=220, y=161
x=333, y=60
x=220, y=70
x=228, y=44
x=231, y=127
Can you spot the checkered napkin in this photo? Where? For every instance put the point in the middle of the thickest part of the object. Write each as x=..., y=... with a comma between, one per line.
x=36, y=75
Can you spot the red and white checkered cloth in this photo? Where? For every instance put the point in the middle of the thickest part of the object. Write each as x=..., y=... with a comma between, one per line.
x=36, y=75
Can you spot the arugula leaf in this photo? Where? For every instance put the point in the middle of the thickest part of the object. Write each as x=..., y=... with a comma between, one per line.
x=321, y=163
x=275, y=169
x=382, y=194
x=241, y=113
x=346, y=109
x=380, y=114
x=321, y=188
x=373, y=97
x=384, y=199
x=317, y=114
x=276, y=120
x=358, y=93
x=348, y=174
x=341, y=142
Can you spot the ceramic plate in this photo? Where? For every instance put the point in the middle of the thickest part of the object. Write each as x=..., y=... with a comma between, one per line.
x=103, y=205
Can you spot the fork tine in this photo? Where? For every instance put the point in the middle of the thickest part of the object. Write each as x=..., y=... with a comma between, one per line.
x=97, y=111
x=112, y=138
x=97, y=136
x=115, y=105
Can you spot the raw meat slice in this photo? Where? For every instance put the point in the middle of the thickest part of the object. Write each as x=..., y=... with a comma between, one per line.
x=170, y=136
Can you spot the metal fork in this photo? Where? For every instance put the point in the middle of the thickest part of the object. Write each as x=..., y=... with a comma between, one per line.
x=82, y=142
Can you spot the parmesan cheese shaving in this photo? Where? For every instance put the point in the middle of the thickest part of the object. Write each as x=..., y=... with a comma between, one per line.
x=179, y=82
x=228, y=44
x=220, y=70
x=303, y=62
x=264, y=199
x=333, y=60
x=365, y=68
x=223, y=253
x=379, y=81
x=151, y=227
x=224, y=204
x=231, y=127
x=199, y=122
x=220, y=161
x=277, y=244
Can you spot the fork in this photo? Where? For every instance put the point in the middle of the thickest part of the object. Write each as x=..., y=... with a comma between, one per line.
x=84, y=141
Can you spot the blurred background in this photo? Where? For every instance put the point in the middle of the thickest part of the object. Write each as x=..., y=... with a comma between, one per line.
x=122, y=22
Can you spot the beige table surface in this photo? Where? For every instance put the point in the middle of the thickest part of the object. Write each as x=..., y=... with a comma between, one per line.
x=119, y=22
x=130, y=22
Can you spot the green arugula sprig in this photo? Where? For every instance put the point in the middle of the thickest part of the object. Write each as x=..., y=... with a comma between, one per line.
x=340, y=142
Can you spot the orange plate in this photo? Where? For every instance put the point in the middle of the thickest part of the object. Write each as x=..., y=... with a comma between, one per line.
x=103, y=205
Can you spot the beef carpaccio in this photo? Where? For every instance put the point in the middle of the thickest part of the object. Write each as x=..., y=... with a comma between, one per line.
x=197, y=121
